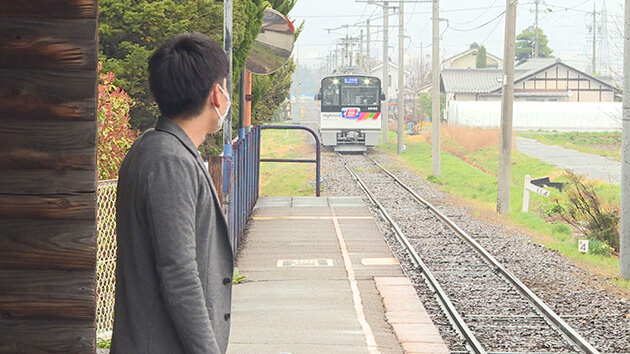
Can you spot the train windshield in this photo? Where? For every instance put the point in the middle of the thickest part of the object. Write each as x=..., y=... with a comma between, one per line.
x=359, y=95
x=351, y=91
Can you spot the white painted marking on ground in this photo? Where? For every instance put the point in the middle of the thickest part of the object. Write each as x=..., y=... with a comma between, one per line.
x=379, y=261
x=311, y=218
x=370, y=340
x=305, y=263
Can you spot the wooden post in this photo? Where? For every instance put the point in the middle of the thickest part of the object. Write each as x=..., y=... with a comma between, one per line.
x=215, y=168
x=48, y=79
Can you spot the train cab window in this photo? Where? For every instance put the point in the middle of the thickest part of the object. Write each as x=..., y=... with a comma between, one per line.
x=330, y=94
x=359, y=95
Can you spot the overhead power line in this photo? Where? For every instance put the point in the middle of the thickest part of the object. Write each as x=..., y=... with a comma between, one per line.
x=480, y=26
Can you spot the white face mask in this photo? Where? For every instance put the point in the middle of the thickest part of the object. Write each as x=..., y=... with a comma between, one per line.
x=222, y=116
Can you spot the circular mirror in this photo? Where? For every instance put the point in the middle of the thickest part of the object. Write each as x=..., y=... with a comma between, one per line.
x=273, y=46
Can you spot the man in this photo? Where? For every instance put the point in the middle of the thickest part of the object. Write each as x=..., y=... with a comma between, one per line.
x=174, y=267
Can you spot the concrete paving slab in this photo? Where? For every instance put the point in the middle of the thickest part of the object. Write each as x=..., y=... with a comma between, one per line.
x=299, y=309
x=593, y=166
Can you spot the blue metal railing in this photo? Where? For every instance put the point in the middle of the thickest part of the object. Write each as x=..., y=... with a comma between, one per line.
x=242, y=191
x=242, y=181
x=318, y=148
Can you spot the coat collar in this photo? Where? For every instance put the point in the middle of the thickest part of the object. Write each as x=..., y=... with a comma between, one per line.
x=167, y=125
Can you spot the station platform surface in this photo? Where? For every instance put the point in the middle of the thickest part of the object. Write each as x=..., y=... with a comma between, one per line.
x=321, y=279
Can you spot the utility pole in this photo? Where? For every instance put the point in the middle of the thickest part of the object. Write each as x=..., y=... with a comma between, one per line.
x=401, y=78
x=227, y=124
x=536, y=46
x=385, y=77
x=435, y=93
x=385, y=83
x=594, y=39
x=367, y=49
x=361, y=57
x=624, y=252
x=507, y=107
x=297, y=116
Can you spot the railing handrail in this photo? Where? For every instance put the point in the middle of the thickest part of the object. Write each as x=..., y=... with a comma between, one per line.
x=318, y=148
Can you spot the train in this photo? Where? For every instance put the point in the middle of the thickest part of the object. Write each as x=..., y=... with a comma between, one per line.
x=350, y=118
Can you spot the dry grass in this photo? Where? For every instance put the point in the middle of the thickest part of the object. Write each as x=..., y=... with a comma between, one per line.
x=464, y=141
x=471, y=139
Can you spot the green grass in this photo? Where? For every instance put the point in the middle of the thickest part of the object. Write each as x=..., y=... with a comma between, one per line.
x=607, y=144
x=281, y=179
x=478, y=188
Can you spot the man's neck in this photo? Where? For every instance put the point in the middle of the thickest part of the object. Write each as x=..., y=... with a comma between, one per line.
x=194, y=128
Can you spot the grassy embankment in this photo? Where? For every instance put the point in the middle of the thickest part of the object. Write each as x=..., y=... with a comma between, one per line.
x=607, y=144
x=286, y=179
x=469, y=164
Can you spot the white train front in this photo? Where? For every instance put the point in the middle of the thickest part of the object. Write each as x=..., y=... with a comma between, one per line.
x=350, y=111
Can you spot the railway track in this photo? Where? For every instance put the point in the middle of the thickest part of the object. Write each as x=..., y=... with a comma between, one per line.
x=312, y=116
x=490, y=309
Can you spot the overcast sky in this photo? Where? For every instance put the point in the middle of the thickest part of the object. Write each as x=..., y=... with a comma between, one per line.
x=563, y=21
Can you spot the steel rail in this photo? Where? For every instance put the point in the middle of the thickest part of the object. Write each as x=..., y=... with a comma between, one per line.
x=549, y=314
x=449, y=309
x=315, y=116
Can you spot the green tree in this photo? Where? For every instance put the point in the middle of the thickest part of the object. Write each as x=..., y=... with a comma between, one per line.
x=525, y=45
x=426, y=103
x=481, y=62
x=131, y=30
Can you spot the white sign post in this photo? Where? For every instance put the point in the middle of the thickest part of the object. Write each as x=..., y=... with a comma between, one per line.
x=529, y=187
x=583, y=246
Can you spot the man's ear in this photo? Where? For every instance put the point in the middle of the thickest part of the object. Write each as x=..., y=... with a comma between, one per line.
x=214, y=96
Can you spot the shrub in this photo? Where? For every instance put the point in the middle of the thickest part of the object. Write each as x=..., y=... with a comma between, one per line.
x=115, y=135
x=597, y=219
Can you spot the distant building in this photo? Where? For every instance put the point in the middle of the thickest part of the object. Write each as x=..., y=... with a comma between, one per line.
x=543, y=80
x=392, y=80
x=468, y=60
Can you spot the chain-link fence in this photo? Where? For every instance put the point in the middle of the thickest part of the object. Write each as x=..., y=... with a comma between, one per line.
x=106, y=256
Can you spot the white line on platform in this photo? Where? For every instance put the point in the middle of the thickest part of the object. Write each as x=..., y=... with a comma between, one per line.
x=312, y=217
x=354, y=286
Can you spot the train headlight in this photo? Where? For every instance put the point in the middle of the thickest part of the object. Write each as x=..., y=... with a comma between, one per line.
x=366, y=81
x=335, y=81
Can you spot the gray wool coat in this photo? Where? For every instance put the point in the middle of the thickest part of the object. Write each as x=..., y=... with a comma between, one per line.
x=174, y=267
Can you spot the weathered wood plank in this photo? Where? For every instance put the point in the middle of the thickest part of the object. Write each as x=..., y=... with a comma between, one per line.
x=48, y=44
x=26, y=106
x=52, y=336
x=49, y=8
x=39, y=294
x=57, y=207
x=39, y=182
x=64, y=85
x=27, y=159
x=55, y=136
x=215, y=168
x=46, y=244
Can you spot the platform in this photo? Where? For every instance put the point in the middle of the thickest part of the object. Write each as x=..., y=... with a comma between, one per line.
x=321, y=279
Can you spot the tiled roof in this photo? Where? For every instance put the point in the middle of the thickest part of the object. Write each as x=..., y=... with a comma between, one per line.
x=536, y=64
x=473, y=80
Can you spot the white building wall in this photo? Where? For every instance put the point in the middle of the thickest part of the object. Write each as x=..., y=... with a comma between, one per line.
x=561, y=116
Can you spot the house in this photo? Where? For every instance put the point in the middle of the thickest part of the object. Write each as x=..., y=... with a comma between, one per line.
x=468, y=60
x=549, y=95
x=392, y=81
x=542, y=79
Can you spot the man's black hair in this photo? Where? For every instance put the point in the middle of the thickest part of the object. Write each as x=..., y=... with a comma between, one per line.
x=183, y=70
